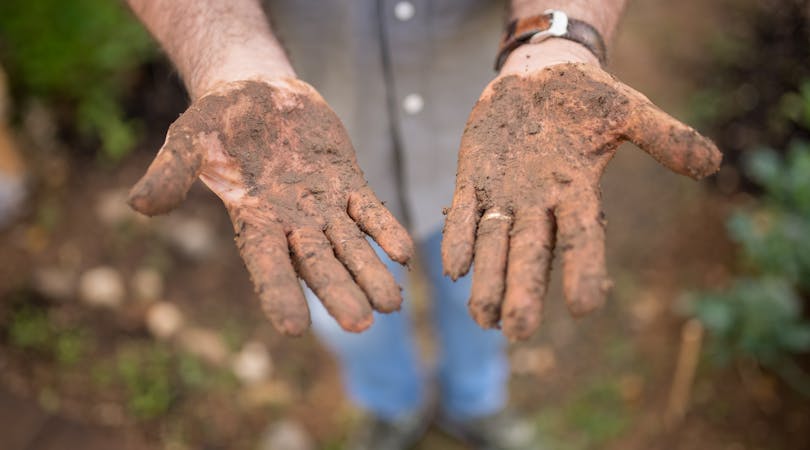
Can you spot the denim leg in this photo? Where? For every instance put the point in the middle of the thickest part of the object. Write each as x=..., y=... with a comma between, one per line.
x=379, y=367
x=473, y=369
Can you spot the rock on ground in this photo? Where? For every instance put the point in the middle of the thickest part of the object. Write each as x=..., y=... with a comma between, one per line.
x=164, y=319
x=252, y=364
x=286, y=435
x=203, y=343
x=102, y=286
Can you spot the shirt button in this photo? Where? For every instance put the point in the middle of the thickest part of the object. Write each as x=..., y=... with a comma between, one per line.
x=404, y=11
x=413, y=104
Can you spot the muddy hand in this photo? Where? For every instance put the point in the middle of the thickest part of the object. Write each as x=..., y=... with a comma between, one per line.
x=282, y=163
x=531, y=157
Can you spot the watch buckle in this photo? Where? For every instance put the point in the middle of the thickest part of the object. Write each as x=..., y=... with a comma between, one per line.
x=557, y=28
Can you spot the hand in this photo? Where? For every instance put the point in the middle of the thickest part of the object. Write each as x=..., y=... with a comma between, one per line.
x=282, y=163
x=531, y=157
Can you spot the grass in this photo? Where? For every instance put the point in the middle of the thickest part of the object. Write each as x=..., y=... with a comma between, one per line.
x=589, y=419
x=30, y=330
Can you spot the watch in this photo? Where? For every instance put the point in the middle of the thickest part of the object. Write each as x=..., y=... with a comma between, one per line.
x=552, y=23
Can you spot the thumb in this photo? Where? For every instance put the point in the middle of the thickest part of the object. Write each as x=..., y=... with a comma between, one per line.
x=171, y=174
x=672, y=143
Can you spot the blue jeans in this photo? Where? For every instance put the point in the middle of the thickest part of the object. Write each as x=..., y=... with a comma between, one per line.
x=380, y=367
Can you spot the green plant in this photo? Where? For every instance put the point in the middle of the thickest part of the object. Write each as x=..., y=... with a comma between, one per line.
x=29, y=329
x=78, y=53
x=589, y=418
x=754, y=83
x=147, y=376
x=775, y=236
x=760, y=316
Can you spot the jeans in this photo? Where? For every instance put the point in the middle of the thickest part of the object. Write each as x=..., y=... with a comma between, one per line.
x=381, y=370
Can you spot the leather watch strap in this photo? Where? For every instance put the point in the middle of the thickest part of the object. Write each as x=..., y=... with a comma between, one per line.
x=552, y=23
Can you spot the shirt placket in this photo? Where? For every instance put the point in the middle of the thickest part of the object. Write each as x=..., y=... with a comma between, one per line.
x=408, y=47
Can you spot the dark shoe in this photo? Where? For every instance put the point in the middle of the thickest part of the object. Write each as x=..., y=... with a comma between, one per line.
x=400, y=434
x=501, y=431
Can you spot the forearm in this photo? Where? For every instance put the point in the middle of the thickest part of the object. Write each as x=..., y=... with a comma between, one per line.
x=214, y=41
x=601, y=14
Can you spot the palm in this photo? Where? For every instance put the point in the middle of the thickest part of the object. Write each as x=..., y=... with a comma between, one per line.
x=530, y=162
x=282, y=163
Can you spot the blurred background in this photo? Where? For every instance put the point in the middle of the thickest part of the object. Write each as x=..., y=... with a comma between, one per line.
x=118, y=331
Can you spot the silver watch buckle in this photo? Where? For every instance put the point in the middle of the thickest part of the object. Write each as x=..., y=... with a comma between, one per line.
x=558, y=27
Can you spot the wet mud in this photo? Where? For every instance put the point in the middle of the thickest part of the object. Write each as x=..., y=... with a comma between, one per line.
x=532, y=154
x=282, y=163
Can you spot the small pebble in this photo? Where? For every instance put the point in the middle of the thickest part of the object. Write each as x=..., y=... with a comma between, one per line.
x=286, y=435
x=253, y=363
x=54, y=283
x=164, y=320
x=102, y=286
x=203, y=343
x=536, y=361
x=195, y=238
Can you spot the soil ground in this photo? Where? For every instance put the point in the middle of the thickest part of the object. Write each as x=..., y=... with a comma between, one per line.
x=597, y=383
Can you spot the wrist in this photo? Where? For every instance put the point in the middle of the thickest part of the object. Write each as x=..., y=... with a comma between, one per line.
x=256, y=62
x=529, y=58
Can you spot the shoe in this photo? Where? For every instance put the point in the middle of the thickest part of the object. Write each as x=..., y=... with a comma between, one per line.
x=501, y=431
x=401, y=434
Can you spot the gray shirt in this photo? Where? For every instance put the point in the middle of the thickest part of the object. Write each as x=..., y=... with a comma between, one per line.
x=402, y=75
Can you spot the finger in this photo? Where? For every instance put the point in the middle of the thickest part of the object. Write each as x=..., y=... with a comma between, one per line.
x=171, y=174
x=491, y=247
x=581, y=234
x=671, y=142
x=352, y=248
x=375, y=220
x=458, y=237
x=330, y=281
x=530, y=253
x=267, y=257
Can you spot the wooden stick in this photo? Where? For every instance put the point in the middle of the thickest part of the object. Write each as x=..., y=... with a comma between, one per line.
x=688, y=357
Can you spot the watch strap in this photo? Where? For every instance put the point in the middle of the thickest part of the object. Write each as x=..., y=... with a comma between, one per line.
x=550, y=24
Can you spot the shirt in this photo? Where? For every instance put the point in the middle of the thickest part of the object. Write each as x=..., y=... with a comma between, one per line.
x=403, y=75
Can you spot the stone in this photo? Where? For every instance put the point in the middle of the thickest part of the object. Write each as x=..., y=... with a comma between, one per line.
x=253, y=363
x=54, y=283
x=195, y=238
x=274, y=393
x=102, y=286
x=537, y=361
x=203, y=343
x=164, y=320
x=286, y=434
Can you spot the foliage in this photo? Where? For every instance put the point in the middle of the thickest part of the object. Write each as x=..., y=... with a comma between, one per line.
x=756, y=317
x=78, y=53
x=760, y=315
x=590, y=418
x=147, y=378
x=30, y=329
x=150, y=376
x=599, y=412
x=754, y=82
x=775, y=237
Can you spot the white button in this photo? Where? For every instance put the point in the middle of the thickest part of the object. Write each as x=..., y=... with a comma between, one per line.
x=404, y=11
x=413, y=103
